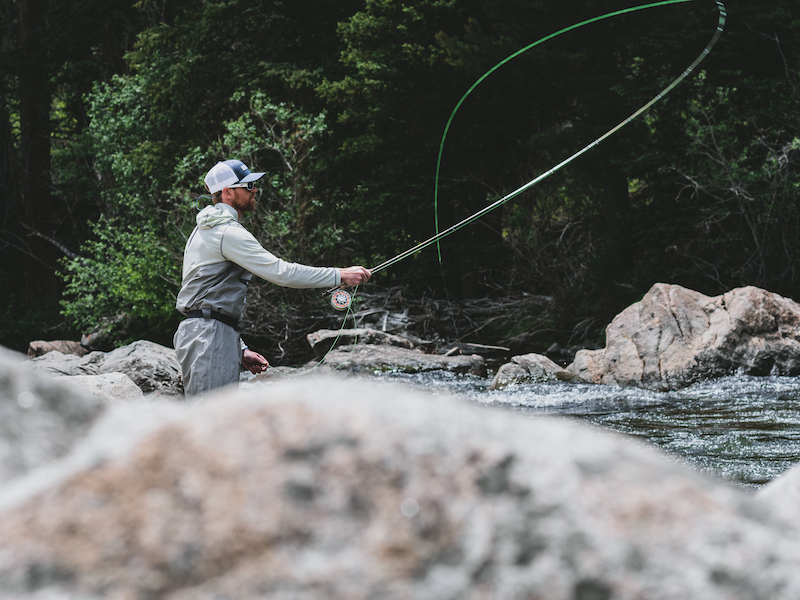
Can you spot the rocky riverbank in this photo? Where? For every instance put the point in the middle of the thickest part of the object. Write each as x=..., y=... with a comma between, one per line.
x=113, y=487
x=670, y=339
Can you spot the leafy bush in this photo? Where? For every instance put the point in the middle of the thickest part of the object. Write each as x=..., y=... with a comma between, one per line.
x=128, y=277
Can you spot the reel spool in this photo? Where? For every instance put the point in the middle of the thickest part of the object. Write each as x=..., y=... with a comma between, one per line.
x=341, y=299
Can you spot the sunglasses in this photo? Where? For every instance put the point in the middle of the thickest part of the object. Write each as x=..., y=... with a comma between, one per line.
x=249, y=185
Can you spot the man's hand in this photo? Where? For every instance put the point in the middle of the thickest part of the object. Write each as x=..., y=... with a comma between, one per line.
x=355, y=275
x=254, y=362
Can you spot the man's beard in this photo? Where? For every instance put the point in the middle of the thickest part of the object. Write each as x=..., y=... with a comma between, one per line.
x=245, y=205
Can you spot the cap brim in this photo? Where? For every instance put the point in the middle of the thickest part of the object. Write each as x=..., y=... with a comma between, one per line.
x=252, y=177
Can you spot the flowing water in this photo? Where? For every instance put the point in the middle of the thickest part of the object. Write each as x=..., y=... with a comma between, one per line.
x=743, y=429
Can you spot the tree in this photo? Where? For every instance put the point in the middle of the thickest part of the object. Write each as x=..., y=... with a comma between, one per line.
x=51, y=52
x=740, y=161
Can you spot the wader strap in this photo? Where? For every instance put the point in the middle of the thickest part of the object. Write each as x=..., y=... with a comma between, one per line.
x=207, y=313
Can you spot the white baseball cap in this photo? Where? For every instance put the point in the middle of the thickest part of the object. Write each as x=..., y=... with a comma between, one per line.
x=228, y=172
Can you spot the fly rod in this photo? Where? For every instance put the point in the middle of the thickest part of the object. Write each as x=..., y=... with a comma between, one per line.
x=343, y=302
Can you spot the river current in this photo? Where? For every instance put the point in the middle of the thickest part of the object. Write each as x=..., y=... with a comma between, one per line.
x=745, y=430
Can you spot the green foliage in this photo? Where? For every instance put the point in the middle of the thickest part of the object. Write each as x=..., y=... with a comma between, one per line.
x=343, y=104
x=128, y=152
x=127, y=276
x=743, y=180
x=131, y=266
x=128, y=272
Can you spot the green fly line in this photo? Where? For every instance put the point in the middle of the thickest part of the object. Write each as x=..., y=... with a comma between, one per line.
x=452, y=229
x=349, y=312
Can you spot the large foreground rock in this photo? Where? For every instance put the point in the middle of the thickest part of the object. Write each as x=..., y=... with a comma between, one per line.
x=110, y=387
x=674, y=337
x=314, y=489
x=152, y=367
x=40, y=420
x=783, y=494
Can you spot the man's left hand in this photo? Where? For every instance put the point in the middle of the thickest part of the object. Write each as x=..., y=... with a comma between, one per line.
x=254, y=362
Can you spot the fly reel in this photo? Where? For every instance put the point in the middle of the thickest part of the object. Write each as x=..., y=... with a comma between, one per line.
x=341, y=299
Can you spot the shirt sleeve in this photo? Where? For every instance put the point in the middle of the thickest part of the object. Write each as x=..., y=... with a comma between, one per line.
x=241, y=247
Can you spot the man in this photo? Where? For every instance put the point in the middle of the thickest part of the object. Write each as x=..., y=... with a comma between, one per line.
x=219, y=261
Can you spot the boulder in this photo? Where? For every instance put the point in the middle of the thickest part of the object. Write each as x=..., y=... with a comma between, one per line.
x=323, y=340
x=10, y=355
x=370, y=359
x=57, y=363
x=529, y=368
x=307, y=490
x=40, y=420
x=675, y=337
x=64, y=346
x=109, y=387
x=152, y=367
x=782, y=495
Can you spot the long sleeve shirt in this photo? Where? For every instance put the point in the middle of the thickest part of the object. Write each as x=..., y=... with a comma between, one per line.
x=221, y=258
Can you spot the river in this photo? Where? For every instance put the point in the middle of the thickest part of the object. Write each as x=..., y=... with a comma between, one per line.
x=745, y=430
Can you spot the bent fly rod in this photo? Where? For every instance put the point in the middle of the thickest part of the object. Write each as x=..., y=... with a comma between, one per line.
x=340, y=298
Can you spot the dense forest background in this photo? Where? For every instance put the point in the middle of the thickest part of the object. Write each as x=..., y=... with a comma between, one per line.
x=111, y=112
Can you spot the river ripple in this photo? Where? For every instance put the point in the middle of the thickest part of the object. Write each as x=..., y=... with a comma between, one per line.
x=743, y=429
